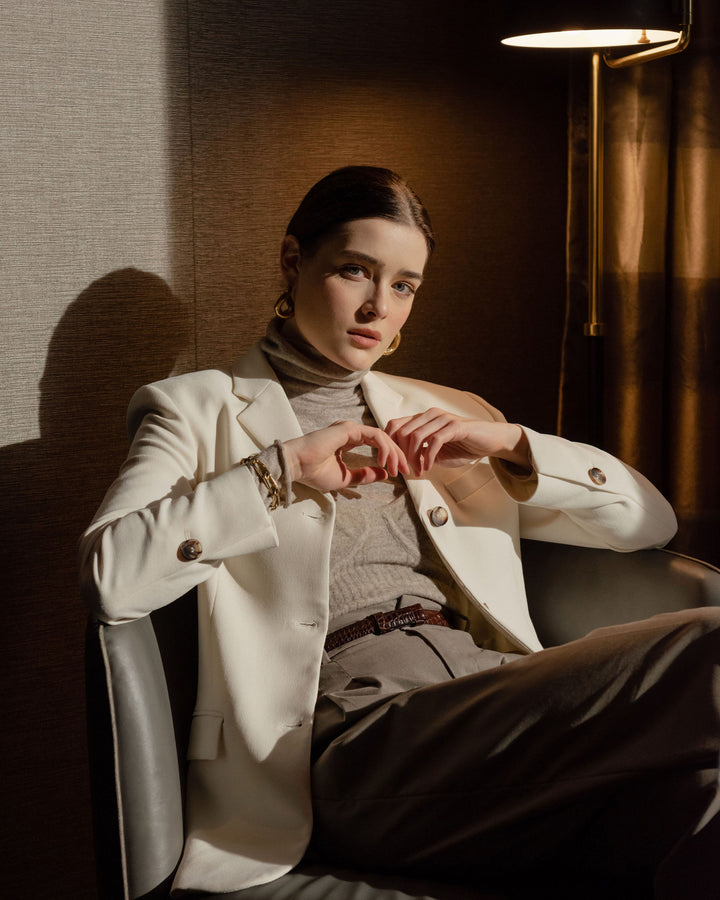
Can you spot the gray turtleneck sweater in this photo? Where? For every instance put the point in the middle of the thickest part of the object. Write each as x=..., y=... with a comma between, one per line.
x=380, y=550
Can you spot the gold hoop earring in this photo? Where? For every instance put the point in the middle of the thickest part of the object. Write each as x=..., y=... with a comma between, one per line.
x=284, y=306
x=393, y=345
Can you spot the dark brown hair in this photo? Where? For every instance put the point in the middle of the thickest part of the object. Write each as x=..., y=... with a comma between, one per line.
x=357, y=192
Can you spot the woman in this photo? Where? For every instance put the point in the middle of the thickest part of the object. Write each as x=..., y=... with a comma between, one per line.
x=335, y=521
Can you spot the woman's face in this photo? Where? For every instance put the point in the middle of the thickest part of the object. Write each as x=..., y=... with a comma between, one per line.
x=355, y=293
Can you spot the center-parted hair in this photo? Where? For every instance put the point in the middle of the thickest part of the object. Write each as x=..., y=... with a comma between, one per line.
x=357, y=192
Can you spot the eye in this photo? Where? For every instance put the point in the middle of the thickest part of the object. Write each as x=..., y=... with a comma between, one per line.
x=405, y=288
x=352, y=270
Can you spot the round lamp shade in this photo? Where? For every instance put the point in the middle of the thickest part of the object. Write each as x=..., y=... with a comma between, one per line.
x=592, y=23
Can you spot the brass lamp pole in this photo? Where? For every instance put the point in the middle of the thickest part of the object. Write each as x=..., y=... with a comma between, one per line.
x=605, y=32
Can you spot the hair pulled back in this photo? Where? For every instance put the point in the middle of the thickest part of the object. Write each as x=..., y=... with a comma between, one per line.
x=357, y=192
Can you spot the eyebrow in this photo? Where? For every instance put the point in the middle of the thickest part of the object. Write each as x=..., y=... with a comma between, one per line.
x=365, y=257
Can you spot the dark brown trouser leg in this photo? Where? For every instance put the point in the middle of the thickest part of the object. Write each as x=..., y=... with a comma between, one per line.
x=600, y=755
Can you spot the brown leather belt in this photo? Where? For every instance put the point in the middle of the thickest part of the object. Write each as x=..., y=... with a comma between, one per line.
x=381, y=623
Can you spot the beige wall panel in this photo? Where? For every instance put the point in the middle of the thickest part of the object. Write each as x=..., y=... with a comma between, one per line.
x=96, y=285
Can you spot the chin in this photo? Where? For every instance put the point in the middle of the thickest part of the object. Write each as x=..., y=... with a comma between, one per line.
x=354, y=360
x=351, y=365
x=366, y=361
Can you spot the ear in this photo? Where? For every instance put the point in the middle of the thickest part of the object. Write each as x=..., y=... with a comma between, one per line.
x=290, y=259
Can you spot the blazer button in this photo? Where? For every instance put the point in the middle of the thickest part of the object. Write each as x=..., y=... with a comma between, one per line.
x=189, y=550
x=597, y=476
x=438, y=515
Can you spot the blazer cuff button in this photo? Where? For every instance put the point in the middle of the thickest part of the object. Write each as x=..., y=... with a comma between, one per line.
x=438, y=516
x=189, y=550
x=597, y=476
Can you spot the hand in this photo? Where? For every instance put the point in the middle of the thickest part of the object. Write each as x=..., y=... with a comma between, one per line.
x=450, y=440
x=315, y=459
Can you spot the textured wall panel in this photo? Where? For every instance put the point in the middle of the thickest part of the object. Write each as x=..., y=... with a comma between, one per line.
x=96, y=257
x=285, y=92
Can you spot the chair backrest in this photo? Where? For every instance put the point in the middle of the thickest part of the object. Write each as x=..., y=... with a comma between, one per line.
x=137, y=734
x=138, y=728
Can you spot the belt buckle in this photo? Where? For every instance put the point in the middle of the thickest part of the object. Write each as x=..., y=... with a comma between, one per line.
x=384, y=622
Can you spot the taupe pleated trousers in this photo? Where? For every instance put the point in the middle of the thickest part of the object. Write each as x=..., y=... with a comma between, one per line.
x=599, y=756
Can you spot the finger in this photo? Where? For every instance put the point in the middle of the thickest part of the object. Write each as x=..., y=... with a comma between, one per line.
x=429, y=441
x=366, y=475
x=356, y=435
x=394, y=425
x=406, y=424
x=389, y=454
x=344, y=471
x=422, y=444
x=434, y=443
x=416, y=430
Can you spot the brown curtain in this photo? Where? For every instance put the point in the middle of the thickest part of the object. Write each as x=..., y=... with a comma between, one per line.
x=660, y=372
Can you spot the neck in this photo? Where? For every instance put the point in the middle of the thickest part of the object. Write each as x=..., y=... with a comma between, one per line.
x=300, y=367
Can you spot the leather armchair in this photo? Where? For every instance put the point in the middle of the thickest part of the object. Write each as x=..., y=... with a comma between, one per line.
x=141, y=680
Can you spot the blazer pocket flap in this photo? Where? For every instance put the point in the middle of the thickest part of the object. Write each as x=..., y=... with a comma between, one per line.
x=205, y=732
x=472, y=479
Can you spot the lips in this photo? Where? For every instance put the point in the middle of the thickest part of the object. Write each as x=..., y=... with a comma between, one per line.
x=365, y=337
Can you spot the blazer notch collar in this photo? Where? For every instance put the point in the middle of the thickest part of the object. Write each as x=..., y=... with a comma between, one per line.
x=266, y=415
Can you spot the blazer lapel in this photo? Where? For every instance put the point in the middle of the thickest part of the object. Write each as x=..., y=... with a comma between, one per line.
x=266, y=414
x=385, y=403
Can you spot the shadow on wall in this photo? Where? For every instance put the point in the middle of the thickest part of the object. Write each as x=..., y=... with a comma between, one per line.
x=124, y=330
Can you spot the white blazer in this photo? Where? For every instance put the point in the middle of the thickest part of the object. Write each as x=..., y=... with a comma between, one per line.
x=263, y=579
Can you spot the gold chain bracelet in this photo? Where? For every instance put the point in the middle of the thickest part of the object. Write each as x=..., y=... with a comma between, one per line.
x=268, y=482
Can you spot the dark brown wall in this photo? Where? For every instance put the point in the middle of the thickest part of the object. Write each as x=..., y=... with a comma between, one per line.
x=156, y=151
x=283, y=94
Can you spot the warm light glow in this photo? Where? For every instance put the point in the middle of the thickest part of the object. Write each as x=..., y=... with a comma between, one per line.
x=610, y=37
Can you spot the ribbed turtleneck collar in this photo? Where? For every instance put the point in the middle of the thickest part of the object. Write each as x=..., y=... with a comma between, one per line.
x=302, y=369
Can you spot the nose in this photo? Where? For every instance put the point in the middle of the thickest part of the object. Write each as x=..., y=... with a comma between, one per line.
x=376, y=304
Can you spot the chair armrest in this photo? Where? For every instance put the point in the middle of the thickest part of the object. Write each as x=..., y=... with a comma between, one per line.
x=572, y=590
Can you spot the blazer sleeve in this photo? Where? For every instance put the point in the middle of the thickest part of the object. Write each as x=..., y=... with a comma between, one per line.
x=581, y=495
x=130, y=562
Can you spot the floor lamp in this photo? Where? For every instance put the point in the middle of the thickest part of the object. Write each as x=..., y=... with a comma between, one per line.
x=640, y=31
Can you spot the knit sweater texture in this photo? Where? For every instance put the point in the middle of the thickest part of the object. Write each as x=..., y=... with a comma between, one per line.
x=380, y=551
